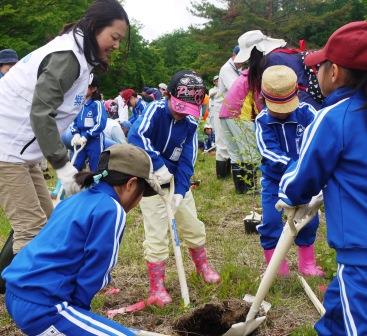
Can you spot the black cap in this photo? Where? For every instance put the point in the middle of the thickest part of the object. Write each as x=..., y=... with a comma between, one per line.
x=188, y=86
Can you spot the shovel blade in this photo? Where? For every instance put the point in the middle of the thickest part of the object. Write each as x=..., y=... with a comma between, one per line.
x=245, y=328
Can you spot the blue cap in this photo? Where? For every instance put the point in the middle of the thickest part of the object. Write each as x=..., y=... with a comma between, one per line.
x=8, y=56
x=236, y=49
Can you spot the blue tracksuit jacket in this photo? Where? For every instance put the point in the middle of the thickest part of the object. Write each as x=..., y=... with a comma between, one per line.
x=138, y=110
x=91, y=120
x=334, y=158
x=72, y=256
x=90, y=123
x=279, y=142
x=168, y=142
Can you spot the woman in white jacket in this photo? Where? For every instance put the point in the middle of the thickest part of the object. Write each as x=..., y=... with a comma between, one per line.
x=44, y=91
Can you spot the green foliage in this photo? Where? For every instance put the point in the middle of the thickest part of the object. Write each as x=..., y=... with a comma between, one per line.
x=28, y=24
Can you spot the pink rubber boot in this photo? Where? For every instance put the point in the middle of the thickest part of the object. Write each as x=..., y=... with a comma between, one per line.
x=157, y=291
x=283, y=268
x=200, y=259
x=307, y=262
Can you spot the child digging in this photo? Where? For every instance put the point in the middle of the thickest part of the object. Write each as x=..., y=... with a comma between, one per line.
x=333, y=159
x=52, y=281
x=279, y=132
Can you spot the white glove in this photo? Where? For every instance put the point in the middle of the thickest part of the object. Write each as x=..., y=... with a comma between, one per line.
x=163, y=175
x=176, y=201
x=75, y=141
x=66, y=176
x=82, y=141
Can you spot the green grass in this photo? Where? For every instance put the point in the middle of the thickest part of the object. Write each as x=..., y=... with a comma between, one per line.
x=237, y=256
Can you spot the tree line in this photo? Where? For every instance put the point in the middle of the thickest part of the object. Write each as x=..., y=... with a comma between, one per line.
x=28, y=24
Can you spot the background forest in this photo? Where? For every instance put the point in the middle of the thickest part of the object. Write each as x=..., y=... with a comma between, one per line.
x=28, y=24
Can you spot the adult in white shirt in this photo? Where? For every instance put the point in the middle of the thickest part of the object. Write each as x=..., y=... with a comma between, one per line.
x=227, y=75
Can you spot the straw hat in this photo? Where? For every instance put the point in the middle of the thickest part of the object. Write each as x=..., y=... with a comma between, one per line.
x=279, y=88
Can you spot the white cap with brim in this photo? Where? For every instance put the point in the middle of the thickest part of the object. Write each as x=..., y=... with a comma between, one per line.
x=255, y=38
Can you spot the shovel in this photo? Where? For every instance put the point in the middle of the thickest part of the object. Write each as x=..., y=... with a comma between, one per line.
x=285, y=242
x=176, y=245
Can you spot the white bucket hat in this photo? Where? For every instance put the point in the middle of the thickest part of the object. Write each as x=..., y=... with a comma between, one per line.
x=255, y=38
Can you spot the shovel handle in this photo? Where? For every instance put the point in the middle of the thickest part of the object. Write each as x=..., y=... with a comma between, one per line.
x=176, y=245
x=285, y=242
x=312, y=296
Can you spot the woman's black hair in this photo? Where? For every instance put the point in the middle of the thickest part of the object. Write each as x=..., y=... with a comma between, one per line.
x=256, y=69
x=96, y=95
x=100, y=14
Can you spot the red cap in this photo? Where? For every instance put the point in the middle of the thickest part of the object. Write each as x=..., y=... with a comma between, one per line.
x=346, y=47
x=127, y=94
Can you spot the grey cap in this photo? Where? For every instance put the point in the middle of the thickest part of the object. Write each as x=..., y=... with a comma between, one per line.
x=8, y=56
x=132, y=160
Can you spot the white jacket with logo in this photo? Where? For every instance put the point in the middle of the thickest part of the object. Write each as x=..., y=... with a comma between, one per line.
x=18, y=143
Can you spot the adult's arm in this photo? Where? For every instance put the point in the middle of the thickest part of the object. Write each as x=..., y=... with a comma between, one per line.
x=56, y=75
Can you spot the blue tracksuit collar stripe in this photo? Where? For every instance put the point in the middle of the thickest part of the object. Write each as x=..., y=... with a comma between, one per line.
x=88, y=323
x=119, y=227
x=337, y=95
x=307, y=138
x=264, y=150
x=348, y=318
x=308, y=106
x=144, y=126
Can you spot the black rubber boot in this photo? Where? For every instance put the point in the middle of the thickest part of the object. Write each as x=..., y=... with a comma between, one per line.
x=238, y=175
x=229, y=167
x=221, y=169
x=6, y=257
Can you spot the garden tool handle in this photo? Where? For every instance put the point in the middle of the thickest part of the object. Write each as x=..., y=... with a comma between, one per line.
x=76, y=152
x=285, y=242
x=176, y=244
x=312, y=296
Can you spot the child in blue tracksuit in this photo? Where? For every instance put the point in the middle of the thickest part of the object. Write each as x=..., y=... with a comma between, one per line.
x=167, y=132
x=137, y=104
x=333, y=159
x=209, y=141
x=279, y=131
x=51, y=282
x=88, y=126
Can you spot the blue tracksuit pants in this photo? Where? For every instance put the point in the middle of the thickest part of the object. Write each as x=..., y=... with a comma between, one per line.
x=92, y=151
x=272, y=224
x=63, y=319
x=345, y=303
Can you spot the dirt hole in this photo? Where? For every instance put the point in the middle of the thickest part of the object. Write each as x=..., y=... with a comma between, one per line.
x=212, y=319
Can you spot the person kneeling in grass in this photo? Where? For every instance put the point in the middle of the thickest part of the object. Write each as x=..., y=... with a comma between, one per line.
x=51, y=282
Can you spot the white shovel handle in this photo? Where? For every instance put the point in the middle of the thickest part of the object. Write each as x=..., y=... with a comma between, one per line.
x=312, y=296
x=176, y=246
